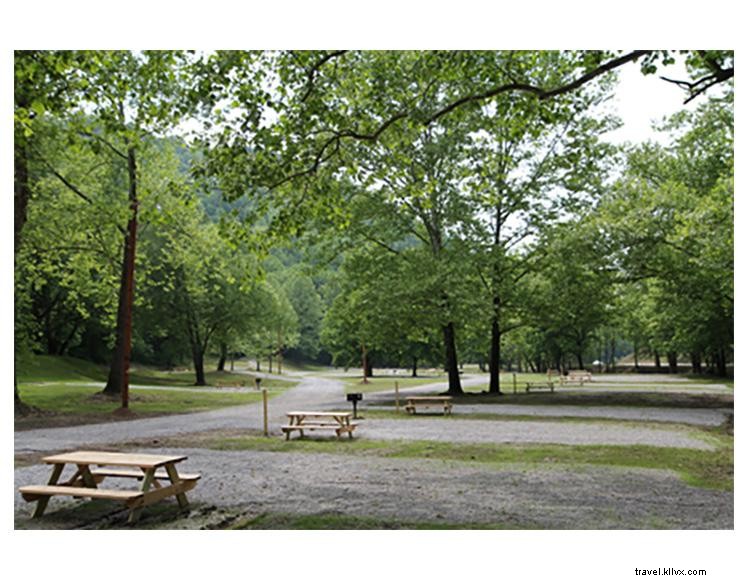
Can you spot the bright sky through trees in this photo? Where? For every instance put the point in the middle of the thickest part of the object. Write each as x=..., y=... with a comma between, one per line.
x=641, y=100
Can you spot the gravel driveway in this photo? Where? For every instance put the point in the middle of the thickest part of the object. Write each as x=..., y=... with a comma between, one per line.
x=425, y=491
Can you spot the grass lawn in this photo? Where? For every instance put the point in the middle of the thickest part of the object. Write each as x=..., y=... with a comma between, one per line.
x=354, y=384
x=77, y=399
x=69, y=370
x=42, y=369
x=61, y=388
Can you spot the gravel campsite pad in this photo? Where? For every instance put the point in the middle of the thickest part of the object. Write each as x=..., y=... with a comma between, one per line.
x=429, y=491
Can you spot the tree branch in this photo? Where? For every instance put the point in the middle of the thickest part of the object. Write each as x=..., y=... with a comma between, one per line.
x=540, y=93
x=100, y=139
x=312, y=72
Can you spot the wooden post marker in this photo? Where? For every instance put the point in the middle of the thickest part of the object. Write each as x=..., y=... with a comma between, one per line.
x=265, y=411
x=397, y=397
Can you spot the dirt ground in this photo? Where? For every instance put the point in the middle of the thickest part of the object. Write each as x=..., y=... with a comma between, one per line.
x=241, y=485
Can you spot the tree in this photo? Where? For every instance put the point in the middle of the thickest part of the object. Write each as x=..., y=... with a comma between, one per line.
x=533, y=163
x=670, y=222
x=328, y=99
x=123, y=98
x=387, y=307
x=40, y=85
x=572, y=295
x=207, y=278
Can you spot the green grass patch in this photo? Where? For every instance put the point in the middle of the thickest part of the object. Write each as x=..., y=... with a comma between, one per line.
x=701, y=468
x=186, y=378
x=302, y=366
x=64, y=369
x=376, y=384
x=82, y=400
x=44, y=368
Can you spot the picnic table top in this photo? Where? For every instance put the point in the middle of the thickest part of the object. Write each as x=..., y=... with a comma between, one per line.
x=143, y=460
x=430, y=398
x=319, y=414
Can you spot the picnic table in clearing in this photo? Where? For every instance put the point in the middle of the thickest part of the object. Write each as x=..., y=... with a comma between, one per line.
x=580, y=376
x=93, y=467
x=412, y=403
x=301, y=421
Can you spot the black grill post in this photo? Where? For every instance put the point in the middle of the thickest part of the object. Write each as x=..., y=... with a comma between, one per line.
x=354, y=398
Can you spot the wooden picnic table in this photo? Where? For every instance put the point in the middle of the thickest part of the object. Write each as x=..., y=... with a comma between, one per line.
x=580, y=376
x=301, y=421
x=443, y=401
x=93, y=467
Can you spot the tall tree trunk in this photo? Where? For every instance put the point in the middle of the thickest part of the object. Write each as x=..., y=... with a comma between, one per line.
x=280, y=352
x=222, y=357
x=450, y=355
x=119, y=370
x=696, y=362
x=364, y=363
x=494, y=357
x=257, y=364
x=636, y=356
x=198, y=356
x=579, y=360
x=672, y=362
x=65, y=345
x=613, y=355
x=658, y=363
x=270, y=362
x=414, y=373
x=721, y=363
x=21, y=196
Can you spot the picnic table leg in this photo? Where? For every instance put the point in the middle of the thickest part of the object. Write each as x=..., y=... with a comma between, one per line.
x=174, y=478
x=86, y=476
x=147, y=480
x=41, y=504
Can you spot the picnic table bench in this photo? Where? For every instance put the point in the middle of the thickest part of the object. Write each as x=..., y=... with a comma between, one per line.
x=412, y=403
x=580, y=376
x=301, y=421
x=150, y=469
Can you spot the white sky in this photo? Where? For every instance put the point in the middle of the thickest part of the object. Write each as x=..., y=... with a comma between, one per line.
x=640, y=100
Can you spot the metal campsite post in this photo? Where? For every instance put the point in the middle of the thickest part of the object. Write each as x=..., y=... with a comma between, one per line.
x=265, y=411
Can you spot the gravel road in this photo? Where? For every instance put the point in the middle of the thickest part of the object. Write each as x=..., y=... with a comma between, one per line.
x=318, y=393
